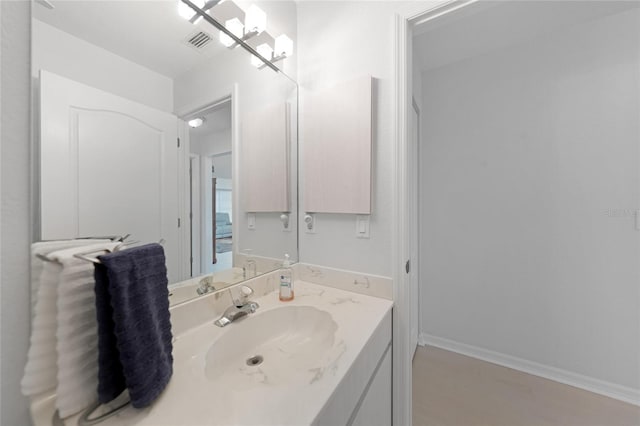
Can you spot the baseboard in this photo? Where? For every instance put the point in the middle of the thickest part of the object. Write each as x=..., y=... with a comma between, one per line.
x=601, y=387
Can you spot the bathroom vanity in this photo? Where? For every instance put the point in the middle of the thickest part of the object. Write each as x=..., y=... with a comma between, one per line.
x=322, y=359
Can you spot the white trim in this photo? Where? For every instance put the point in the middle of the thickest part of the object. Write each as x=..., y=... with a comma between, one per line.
x=193, y=203
x=601, y=387
x=413, y=150
x=235, y=167
x=443, y=9
x=183, y=197
x=402, y=368
x=401, y=381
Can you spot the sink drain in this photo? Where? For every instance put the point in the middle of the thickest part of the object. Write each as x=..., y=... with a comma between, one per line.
x=255, y=360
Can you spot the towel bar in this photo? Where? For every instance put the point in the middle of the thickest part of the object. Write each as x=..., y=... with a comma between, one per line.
x=86, y=421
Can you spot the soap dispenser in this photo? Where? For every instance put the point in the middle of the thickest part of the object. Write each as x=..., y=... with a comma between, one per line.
x=286, y=280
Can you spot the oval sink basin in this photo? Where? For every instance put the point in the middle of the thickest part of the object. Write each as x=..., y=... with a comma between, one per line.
x=276, y=347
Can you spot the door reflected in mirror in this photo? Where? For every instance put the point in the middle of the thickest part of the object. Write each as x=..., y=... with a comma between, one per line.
x=149, y=126
x=211, y=189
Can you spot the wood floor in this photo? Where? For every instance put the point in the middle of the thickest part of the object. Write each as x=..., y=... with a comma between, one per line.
x=455, y=390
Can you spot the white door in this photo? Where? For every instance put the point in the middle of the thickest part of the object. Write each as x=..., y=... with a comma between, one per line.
x=414, y=225
x=109, y=166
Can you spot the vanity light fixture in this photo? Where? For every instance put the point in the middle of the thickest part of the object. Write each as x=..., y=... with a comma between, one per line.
x=255, y=23
x=256, y=20
x=237, y=29
x=235, y=33
x=196, y=122
x=265, y=51
x=283, y=49
x=186, y=12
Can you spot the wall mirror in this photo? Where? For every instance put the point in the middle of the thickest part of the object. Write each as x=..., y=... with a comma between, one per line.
x=149, y=124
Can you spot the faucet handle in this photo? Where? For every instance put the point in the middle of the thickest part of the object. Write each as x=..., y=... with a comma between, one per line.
x=245, y=293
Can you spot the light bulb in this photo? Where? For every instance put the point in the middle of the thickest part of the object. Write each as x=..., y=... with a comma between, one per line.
x=256, y=19
x=196, y=122
x=265, y=51
x=237, y=29
x=186, y=12
x=284, y=46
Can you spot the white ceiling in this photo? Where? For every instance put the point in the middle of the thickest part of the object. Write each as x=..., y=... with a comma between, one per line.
x=147, y=32
x=491, y=25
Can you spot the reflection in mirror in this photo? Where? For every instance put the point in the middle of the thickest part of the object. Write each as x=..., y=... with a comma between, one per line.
x=150, y=126
x=211, y=189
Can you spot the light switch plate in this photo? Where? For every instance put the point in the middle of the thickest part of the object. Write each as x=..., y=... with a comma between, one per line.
x=251, y=220
x=362, y=225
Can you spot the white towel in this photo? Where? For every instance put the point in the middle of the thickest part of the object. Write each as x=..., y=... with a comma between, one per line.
x=44, y=248
x=41, y=368
x=77, y=332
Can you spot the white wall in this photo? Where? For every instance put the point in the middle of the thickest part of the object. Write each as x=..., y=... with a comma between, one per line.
x=15, y=19
x=342, y=41
x=529, y=176
x=211, y=143
x=71, y=57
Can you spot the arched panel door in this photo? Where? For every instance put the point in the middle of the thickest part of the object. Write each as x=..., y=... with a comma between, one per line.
x=109, y=166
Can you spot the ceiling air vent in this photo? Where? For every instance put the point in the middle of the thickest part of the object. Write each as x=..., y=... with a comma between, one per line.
x=198, y=40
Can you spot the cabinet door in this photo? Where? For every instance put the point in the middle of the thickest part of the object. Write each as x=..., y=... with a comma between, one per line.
x=265, y=152
x=375, y=409
x=337, y=148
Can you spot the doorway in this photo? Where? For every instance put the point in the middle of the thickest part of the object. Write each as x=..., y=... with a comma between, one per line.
x=526, y=131
x=211, y=189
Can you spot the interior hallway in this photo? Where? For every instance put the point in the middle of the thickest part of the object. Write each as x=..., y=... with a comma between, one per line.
x=455, y=390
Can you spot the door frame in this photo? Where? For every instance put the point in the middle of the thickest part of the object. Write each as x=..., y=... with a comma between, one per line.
x=195, y=215
x=206, y=176
x=226, y=94
x=414, y=222
x=404, y=21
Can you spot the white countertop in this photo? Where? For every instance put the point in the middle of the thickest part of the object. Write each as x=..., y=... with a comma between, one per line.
x=193, y=399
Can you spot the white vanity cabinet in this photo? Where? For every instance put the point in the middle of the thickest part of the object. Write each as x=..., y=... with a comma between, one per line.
x=375, y=408
x=363, y=397
x=347, y=383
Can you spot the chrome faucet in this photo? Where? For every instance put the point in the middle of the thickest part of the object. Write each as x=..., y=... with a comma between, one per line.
x=205, y=286
x=240, y=308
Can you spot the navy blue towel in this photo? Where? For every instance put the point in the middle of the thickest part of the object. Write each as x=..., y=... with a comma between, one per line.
x=134, y=328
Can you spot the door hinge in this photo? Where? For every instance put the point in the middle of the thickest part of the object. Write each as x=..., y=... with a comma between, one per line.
x=178, y=142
